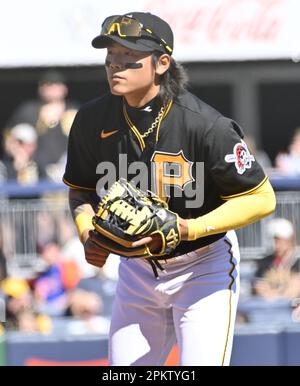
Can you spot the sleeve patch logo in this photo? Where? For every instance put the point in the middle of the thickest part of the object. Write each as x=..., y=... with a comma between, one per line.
x=241, y=157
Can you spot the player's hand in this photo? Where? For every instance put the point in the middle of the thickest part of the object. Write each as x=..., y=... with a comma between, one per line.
x=93, y=253
x=154, y=242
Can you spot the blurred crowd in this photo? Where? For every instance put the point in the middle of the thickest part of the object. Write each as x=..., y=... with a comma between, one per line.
x=45, y=282
x=60, y=291
x=36, y=135
x=274, y=294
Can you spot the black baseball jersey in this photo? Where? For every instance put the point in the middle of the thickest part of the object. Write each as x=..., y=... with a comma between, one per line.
x=196, y=157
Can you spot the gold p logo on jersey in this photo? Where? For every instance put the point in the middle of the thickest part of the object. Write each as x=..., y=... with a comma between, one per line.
x=171, y=170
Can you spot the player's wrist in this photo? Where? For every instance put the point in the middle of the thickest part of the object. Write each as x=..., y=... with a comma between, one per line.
x=183, y=225
x=85, y=236
x=84, y=224
x=196, y=228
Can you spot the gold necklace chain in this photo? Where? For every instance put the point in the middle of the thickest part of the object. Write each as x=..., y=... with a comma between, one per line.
x=154, y=124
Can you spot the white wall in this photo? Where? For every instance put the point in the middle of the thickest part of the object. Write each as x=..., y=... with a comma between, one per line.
x=59, y=32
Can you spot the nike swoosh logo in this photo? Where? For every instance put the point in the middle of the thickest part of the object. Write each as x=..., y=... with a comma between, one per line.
x=104, y=135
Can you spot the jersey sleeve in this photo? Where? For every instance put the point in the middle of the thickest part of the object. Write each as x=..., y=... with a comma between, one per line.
x=230, y=163
x=81, y=164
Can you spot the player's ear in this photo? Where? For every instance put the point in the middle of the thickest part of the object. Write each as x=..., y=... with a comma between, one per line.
x=162, y=65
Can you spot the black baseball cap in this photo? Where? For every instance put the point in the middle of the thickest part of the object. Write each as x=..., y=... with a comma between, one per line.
x=155, y=33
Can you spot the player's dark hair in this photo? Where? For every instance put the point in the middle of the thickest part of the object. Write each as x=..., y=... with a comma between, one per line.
x=173, y=82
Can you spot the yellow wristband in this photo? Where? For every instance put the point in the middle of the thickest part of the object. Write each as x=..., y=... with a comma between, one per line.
x=83, y=222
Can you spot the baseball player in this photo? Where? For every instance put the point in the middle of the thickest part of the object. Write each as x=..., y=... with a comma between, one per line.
x=187, y=146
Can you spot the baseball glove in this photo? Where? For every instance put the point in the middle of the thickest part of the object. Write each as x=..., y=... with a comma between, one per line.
x=127, y=214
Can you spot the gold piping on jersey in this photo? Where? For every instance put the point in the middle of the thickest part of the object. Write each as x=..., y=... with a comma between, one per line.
x=136, y=130
x=77, y=187
x=230, y=298
x=247, y=191
x=168, y=108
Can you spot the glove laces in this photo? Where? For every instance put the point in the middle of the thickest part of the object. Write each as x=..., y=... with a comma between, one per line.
x=154, y=265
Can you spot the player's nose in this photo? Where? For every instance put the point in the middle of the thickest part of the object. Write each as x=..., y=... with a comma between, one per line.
x=115, y=63
x=115, y=66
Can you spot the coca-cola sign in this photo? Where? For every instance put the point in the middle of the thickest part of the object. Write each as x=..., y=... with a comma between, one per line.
x=207, y=29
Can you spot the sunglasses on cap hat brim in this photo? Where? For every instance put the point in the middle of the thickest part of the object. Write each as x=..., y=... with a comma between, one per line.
x=126, y=27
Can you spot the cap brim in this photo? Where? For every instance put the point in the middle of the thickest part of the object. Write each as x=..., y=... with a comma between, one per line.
x=144, y=45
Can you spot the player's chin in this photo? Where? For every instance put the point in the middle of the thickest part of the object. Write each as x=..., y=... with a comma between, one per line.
x=117, y=90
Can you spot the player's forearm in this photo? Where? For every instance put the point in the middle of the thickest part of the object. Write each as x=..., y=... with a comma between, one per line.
x=235, y=213
x=82, y=211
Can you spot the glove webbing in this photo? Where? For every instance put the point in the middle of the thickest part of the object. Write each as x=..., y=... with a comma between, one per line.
x=116, y=221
